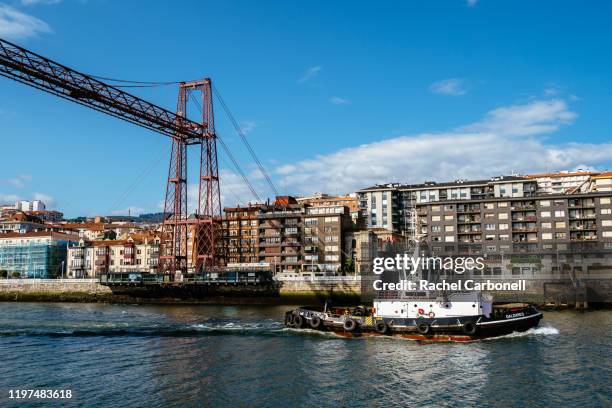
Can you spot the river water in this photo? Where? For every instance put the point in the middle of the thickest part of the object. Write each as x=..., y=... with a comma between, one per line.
x=242, y=356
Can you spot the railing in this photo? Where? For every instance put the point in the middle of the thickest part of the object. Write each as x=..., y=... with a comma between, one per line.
x=32, y=281
x=312, y=278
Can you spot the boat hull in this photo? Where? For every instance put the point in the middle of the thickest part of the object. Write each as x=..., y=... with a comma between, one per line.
x=460, y=329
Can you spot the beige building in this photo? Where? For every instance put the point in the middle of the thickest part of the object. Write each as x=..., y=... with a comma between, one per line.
x=136, y=253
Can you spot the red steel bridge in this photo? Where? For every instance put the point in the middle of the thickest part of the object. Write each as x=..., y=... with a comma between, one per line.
x=34, y=70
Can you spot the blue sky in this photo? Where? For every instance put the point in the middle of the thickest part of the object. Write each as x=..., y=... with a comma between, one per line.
x=335, y=96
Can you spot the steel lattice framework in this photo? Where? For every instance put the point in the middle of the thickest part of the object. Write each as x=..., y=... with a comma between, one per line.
x=205, y=229
x=44, y=74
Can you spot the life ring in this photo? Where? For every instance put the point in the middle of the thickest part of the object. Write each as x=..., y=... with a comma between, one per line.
x=469, y=328
x=298, y=321
x=316, y=322
x=423, y=328
x=431, y=315
x=349, y=325
x=421, y=312
x=382, y=327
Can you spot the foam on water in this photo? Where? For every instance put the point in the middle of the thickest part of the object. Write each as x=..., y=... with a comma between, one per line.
x=535, y=331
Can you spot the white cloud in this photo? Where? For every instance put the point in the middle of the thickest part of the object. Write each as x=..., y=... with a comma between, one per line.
x=471, y=3
x=45, y=198
x=37, y=2
x=17, y=25
x=336, y=100
x=9, y=198
x=310, y=73
x=507, y=138
x=19, y=181
x=451, y=86
x=248, y=126
x=533, y=118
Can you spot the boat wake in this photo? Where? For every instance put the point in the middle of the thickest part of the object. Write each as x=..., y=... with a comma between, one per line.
x=535, y=331
x=188, y=330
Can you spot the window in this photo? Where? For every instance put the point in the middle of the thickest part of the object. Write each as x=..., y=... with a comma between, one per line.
x=489, y=237
x=504, y=237
x=448, y=218
x=606, y=223
x=503, y=226
x=545, y=214
x=436, y=228
x=489, y=215
x=489, y=206
x=449, y=228
x=559, y=213
x=449, y=238
x=547, y=235
x=502, y=204
x=435, y=218
x=331, y=258
x=606, y=211
x=546, y=225
x=560, y=224
x=490, y=227
x=448, y=207
x=435, y=208
x=544, y=203
x=607, y=234
x=604, y=200
x=560, y=235
x=331, y=248
x=310, y=221
x=502, y=216
x=491, y=248
x=331, y=219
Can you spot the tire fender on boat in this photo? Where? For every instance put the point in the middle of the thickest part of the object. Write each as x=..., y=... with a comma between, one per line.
x=349, y=325
x=298, y=321
x=382, y=327
x=469, y=328
x=423, y=328
x=288, y=319
x=316, y=322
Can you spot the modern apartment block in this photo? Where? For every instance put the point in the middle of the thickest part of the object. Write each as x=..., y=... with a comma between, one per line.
x=137, y=253
x=38, y=254
x=287, y=236
x=393, y=206
x=350, y=201
x=536, y=232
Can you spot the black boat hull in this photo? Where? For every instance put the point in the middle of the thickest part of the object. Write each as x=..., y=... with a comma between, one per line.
x=465, y=328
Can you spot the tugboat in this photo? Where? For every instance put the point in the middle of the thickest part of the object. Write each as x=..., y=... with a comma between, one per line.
x=459, y=316
x=430, y=316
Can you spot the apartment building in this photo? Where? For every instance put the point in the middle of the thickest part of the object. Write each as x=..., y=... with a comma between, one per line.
x=351, y=201
x=137, y=253
x=20, y=222
x=602, y=182
x=393, y=206
x=509, y=232
x=39, y=254
x=287, y=236
x=563, y=182
x=241, y=233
